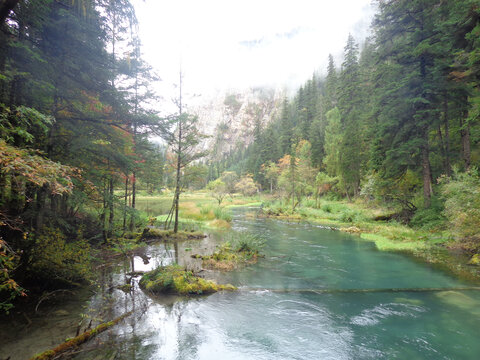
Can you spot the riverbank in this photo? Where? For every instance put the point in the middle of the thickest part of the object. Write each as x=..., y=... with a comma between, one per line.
x=434, y=246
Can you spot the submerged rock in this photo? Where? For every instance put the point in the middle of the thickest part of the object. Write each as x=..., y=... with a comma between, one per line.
x=460, y=300
x=173, y=279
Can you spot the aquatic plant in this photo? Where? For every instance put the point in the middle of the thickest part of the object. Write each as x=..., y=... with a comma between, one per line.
x=245, y=242
x=238, y=249
x=222, y=214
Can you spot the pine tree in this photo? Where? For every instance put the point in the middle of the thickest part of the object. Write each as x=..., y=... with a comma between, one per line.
x=285, y=128
x=331, y=84
x=333, y=137
x=406, y=38
x=349, y=105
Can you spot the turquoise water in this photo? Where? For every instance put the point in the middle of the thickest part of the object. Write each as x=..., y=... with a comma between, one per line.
x=268, y=319
x=283, y=312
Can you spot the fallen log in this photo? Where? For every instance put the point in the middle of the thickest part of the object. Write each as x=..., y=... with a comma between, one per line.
x=80, y=339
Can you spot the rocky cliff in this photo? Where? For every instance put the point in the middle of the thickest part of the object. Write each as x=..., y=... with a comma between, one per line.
x=229, y=118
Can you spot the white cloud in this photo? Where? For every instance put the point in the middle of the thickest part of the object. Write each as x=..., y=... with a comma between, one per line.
x=226, y=44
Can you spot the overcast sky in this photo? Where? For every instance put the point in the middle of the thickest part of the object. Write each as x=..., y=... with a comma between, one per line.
x=226, y=44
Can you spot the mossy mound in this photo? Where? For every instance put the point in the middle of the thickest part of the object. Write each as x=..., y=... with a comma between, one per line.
x=159, y=234
x=228, y=258
x=173, y=279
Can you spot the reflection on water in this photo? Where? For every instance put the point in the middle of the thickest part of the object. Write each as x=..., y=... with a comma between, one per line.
x=269, y=319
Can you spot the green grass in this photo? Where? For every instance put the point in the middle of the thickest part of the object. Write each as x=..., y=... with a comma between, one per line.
x=385, y=244
x=254, y=202
x=183, y=223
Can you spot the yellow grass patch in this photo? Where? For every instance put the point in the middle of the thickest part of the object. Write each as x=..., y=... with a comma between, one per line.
x=218, y=223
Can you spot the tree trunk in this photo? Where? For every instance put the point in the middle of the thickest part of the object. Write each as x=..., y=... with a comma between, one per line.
x=465, y=139
x=64, y=208
x=448, y=168
x=426, y=174
x=177, y=183
x=103, y=214
x=111, y=213
x=17, y=192
x=3, y=188
x=179, y=158
x=40, y=207
x=134, y=189
x=293, y=193
x=133, y=201
x=3, y=62
x=426, y=170
x=125, y=204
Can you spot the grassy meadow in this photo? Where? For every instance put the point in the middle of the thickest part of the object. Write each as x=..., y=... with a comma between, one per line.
x=197, y=210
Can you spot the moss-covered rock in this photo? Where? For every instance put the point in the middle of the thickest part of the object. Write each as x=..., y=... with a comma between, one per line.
x=132, y=235
x=174, y=279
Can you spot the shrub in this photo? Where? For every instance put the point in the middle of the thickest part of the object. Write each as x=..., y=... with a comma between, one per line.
x=309, y=203
x=462, y=203
x=349, y=216
x=327, y=208
x=218, y=190
x=56, y=261
x=9, y=289
x=246, y=186
x=431, y=218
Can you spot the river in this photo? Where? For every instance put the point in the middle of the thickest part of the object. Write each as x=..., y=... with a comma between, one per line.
x=318, y=294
